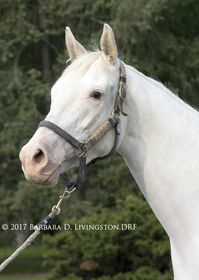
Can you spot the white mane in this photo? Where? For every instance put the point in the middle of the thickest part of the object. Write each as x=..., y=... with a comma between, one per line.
x=164, y=90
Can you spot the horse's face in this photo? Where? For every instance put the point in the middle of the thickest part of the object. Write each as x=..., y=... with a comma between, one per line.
x=81, y=100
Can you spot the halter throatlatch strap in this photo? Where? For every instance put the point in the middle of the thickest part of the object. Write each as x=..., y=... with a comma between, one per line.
x=83, y=147
x=122, y=91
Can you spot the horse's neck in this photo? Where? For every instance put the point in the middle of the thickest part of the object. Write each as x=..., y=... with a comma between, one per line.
x=161, y=149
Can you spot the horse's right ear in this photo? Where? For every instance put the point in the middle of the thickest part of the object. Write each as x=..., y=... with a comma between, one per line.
x=75, y=49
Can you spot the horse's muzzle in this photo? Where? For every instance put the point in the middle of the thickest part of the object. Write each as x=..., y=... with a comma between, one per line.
x=37, y=166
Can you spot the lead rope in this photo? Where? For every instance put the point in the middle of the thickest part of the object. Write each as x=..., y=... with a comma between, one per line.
x=38, y=228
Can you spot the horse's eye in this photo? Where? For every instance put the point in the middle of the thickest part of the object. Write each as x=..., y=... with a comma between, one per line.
x=96, y=95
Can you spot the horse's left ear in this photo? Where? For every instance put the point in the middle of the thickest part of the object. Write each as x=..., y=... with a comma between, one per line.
x=75, y=49
x=108, y=44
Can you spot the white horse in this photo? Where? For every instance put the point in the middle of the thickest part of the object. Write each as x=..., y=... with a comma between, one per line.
x=159, y=141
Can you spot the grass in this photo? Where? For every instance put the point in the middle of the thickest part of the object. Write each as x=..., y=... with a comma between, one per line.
x=33, y=251
x=30, y=261
x=40, y=276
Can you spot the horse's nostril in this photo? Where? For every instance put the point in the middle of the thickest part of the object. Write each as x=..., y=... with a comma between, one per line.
x=39, y=156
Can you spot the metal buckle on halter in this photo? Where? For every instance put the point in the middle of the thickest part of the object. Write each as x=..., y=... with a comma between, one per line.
x=81, y=152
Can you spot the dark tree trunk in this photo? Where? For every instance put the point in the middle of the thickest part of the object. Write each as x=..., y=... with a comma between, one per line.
x=45, y=51
x=45, y=46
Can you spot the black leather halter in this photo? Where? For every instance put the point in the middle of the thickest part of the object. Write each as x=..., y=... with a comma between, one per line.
x=83, y=147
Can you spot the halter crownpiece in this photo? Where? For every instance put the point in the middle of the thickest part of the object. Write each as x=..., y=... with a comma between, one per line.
x=83, y=147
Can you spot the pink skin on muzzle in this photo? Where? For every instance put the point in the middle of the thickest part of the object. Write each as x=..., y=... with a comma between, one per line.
x=42, y=158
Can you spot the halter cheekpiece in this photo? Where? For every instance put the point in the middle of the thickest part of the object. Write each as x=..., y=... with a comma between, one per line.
x=113, y=122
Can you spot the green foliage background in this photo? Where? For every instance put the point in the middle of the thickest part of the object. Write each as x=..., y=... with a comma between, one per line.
x=159, y=38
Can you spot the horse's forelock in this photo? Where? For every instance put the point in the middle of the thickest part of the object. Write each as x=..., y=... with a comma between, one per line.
x=81, y=65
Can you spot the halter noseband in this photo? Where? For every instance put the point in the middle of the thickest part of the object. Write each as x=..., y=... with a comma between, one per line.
x=82, y=147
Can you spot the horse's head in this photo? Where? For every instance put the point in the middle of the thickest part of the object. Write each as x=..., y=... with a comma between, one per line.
x=81, y=100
